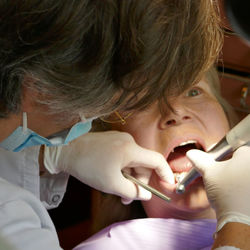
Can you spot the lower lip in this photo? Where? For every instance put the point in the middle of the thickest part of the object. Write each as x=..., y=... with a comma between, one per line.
x=195, y=182
x=171, y=188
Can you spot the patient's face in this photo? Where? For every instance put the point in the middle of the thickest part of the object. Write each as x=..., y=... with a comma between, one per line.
x=198, y=121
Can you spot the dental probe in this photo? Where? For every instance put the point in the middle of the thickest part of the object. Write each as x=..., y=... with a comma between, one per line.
x=147, y=187
x=238, y=136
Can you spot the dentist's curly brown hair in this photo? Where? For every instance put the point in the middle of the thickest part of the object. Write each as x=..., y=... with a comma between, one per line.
x=94, y=56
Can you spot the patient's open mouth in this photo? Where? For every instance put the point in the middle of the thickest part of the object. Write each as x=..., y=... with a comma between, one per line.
x=177, y=157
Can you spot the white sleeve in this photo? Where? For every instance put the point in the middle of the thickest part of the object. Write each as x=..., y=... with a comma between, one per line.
x=22, y=169
x=24, y=221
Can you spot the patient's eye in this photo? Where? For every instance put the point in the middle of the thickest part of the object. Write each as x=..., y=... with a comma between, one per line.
x=193, y=92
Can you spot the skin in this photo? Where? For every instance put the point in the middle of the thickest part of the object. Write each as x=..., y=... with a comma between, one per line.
x=198, y=116
x=39, y=119
x=233, y=234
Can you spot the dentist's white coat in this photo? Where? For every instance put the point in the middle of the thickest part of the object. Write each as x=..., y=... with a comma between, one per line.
x=24, y=221
x=24, y=197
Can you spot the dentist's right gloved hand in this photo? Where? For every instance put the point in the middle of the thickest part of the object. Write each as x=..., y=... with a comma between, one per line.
x=227, y=184
x=98, y=159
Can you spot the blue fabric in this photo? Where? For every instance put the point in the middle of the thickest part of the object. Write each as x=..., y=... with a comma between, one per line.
x=19, y=139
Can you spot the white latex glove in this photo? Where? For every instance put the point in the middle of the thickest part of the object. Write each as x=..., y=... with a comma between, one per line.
x=97, y=159
x=227, y=184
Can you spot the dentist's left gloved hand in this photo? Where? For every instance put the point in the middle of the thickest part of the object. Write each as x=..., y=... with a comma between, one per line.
x=97, y=159
x=227, y=184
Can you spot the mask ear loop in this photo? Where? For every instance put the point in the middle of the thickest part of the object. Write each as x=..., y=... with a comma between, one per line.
x=82, y=117
x=25, y=122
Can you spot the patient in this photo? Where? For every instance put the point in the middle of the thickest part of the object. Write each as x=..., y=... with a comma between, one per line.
x=197, y=118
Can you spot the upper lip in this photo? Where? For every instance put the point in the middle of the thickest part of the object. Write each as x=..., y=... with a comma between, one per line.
x=184, y=139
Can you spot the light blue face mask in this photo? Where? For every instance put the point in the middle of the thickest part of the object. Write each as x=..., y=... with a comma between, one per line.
x=24, y=137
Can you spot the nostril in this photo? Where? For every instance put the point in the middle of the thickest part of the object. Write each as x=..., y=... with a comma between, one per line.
x=171, y=122
x=185, y=118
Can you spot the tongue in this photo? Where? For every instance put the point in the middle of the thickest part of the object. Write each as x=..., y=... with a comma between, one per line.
x=178, y=160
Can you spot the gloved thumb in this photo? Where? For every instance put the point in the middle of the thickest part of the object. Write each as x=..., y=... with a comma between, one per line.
x=200, y=160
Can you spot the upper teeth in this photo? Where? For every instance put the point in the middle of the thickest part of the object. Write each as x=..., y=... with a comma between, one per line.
x=187, y=142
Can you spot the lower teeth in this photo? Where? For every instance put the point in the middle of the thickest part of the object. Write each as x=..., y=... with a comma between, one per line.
x=179, y=176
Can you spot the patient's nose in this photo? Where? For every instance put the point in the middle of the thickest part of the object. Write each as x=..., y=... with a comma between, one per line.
x=175, y=118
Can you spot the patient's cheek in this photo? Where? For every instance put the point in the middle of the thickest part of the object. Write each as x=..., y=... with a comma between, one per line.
x=219, y=121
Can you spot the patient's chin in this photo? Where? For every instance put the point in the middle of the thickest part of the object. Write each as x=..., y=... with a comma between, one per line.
x=188, y=207
x=194, y=199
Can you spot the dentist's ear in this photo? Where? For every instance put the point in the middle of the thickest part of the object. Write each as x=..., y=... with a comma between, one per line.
x=29, y=95
x=28, y=104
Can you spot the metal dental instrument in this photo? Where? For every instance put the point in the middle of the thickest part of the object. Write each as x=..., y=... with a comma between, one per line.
x=238, y=136
x=147, y=187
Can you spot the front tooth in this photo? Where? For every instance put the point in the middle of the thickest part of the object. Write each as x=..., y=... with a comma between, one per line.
x=180, y=176
x=187, y=142
x=177, y=177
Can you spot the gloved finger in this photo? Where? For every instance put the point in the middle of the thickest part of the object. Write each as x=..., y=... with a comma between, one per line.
x=131, y=191
x=127, y=170
x=243, y=150
x=126, y=201
x=143, y=174
x=126, y=189
x=154, y=160
x=201, y=160
x=143, y=194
